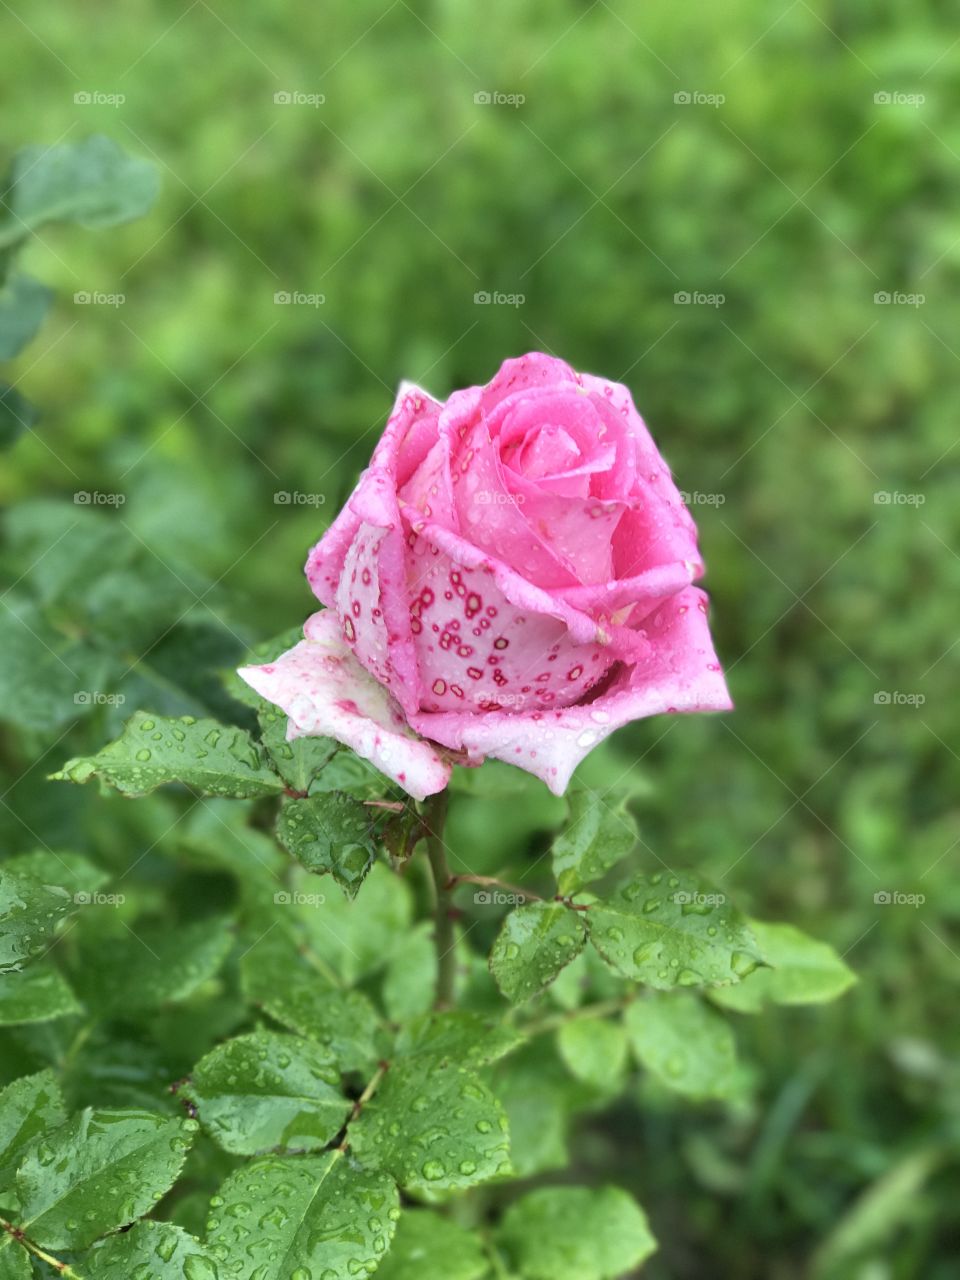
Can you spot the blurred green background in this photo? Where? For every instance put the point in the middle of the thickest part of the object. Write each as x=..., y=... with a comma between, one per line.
x=771, y=161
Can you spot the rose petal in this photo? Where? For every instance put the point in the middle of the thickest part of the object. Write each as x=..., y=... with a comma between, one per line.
x=680, y=673
x=369, y=534
x=324, y=691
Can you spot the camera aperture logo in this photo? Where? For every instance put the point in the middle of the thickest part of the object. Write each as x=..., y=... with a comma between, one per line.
x=84, y=899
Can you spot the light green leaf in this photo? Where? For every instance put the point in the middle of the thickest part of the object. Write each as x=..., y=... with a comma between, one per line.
x=148, y=965
x=276, y=1219
x=36, y=994
x=595, y=1051
x=153, y=1250
x=267, y=1090
x=687, y=1045
x=93, y=182
x=434, y=1127
x=23, y=304
x=358, y=938
x=411, y=978
x=37, y=890
x=332, y=833
x=458, y=1037
x=98, y=1171
x=576, y=1233
x=598, y=835
x=802, y=971
x=28, y=1107
x=533, y=945
x=278, y=979
x=429, y=1247
x=669, y=931
x=14, y=1260
x=216, y=759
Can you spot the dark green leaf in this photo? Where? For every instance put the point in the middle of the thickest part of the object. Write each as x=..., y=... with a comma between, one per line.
x=332, y=833
x=533, y=945
x=23, y=304
x=668, y=931
x=298, y=761
x=216, y=759
x=37, y=890
x=17, y=415
x=147, y=965
x=433, y=1127
x=355, y=938
x=268, y=1090
x=97, y=1172
x=319, y=1216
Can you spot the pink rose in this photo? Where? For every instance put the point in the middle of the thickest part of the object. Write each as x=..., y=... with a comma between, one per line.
x=511, y=577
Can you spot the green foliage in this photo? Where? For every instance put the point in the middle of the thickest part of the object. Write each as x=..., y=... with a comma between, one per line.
x=599, y=835
x=787, y=408
x=215, y=759
x=669, y=931
x=97, y=1172
x=534, y=944
x=572, y=1233
x=682, y=1042
x=265, y=1090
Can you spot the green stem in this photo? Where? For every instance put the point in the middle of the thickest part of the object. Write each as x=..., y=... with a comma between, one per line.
x=61, y=1268
x=434, y=815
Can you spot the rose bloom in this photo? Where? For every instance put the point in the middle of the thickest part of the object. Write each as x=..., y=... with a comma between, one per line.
x=511, y=577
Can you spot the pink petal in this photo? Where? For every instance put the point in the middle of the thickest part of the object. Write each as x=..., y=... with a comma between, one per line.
x=324, y=691
x=358, y=565
x=680, y=673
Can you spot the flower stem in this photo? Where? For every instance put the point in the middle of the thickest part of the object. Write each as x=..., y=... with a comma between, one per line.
x=434, y=816
x=61, y=1268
